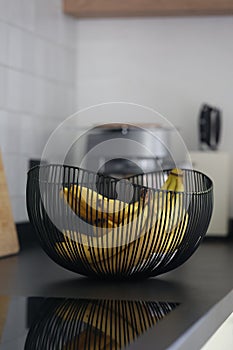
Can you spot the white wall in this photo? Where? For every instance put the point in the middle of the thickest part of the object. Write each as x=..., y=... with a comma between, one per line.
x=37, y=83
x=170, y=64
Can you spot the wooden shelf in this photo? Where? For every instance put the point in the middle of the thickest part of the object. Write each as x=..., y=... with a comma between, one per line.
x=124, y=8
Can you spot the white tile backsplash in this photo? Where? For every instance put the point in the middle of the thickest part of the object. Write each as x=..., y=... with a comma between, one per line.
x=51, y=23
x=20, y=13
x=59, y=100
x=40, y=96
x=52, y=99
x=3, y=84
x=22, y=134
x=10, y=137
x=19, y=208
x=42, y=49
x=4, y=10
x=67, y=61
x=15, y=47
x=54, y=61
x=13, y=12
x=14, y=86
x=68, y=35
x=21, y=49
x=28, y=13
x=3, y=123
x=37, y=79
x=16, y=167
x=34, y=133
x=20, y=91
x=40, y=56
x=47, y=18
x=3, y=41
x=28, y=93
x=69, y=102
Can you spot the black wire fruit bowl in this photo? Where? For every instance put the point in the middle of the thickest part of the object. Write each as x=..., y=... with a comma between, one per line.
x=99, y=226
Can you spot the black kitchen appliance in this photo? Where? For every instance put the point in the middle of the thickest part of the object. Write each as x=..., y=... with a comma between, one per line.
x=209, y=127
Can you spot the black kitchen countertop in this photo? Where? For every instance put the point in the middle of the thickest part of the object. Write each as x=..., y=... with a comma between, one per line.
x=203, y=286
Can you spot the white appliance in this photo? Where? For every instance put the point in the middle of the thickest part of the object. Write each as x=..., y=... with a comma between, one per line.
x=216, y=165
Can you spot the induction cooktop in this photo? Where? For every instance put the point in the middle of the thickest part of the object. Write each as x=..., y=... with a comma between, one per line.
x=35, y=323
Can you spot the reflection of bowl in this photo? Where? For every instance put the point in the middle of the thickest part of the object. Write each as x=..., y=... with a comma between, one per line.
x=145, y=232
x=93, y=324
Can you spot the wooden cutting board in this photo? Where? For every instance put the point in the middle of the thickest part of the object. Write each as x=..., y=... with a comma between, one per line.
x=8, y=236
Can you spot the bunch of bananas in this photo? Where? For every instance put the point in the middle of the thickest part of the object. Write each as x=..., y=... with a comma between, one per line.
x=156, y=224
x=98, y=210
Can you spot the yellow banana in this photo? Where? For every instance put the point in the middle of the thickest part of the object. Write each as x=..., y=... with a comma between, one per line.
x=94, y=250
x=170, y=221
x=92, y=213
x=142, y=250
x=97, y=209
x=91, y=249
x=165, y=229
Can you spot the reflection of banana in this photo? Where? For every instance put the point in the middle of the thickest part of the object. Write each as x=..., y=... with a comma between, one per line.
x=116, y=322
x=111, y=311
x=97, y=338
x=81, y=324
x=90, y=340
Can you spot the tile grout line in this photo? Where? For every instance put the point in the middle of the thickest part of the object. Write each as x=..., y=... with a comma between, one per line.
x=41, y=77
x=33, y=32
x=47, y=117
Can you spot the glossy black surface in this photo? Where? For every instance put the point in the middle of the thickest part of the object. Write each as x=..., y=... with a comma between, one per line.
x=201, y=285
x=87, y=324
